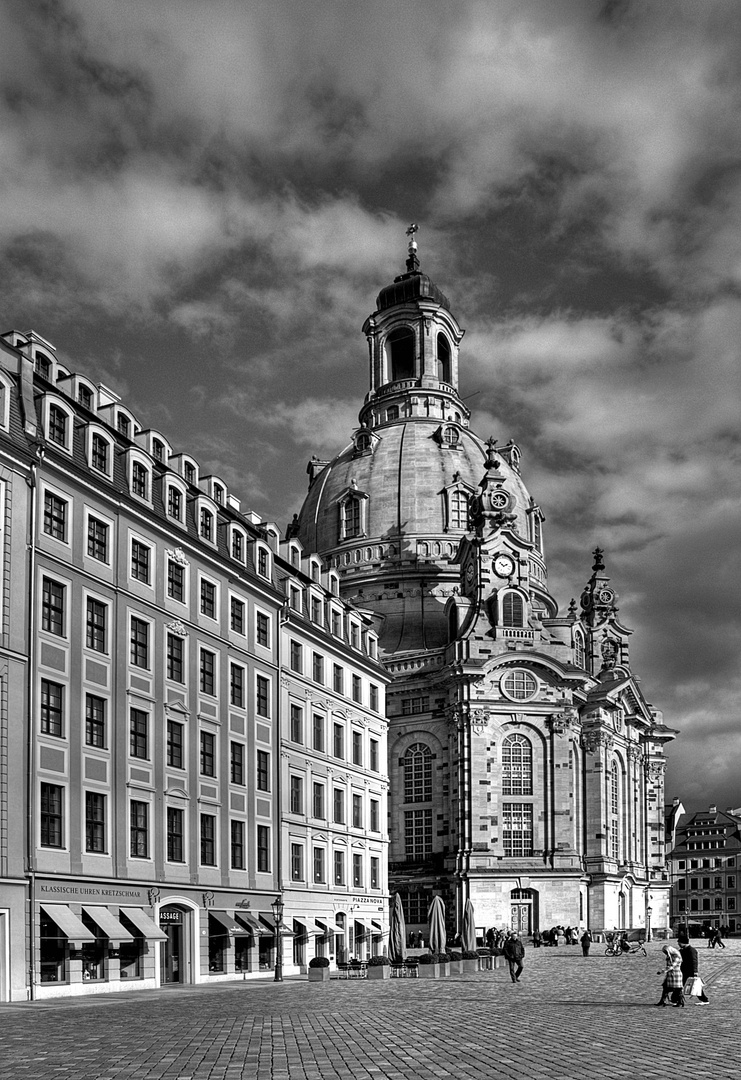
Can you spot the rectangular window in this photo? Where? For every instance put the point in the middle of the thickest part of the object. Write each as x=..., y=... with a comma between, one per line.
x=373, y=690
x=175, y=580
x=139, y=643
x=297, y=659
x=237, y=845
x=237, y=615
x=208, y=599
x=375, y=873
x=140, y=561
x=57, y=425
x=52, y=831
x=208, y=666
x=139, y=829
x=297, y=795
x=55, y=516
x=339, y=867
x=237, y=763
x=263, y=770
x=236, y=685
x=52, y=607
x=262, y=629
x=731, y=882
x=693, y=882
x=517, y=830
x=338, y=679
x=297, y=862
x=207, y=524
x=297, y=724
x=339, y=806
x=262, y=562
x=354, y=636
x=375, y=815
x=262, y=696
x=175, y=503
x=175, y=834
x=317, y=801
x=412, y=706
x=357, y=748
x=317, y=668
x=95, y=733
x=99, y=453
x=138, y=733
x=263, y=849
x=318, y=732
x=374, y=755
x=52, y=708
x=357, y=689
x=336, y=624
x=237, y=546
x=338, y=740
x=417, y=834
x=718, y=883
x=174, y=744
x=319, y=865
x=681, y=884
x=174, y=658
x=208, y=840
x=139, y=480
x=706, y=883
x=357, y=871
x=296, y=599
x=208, y=760
x=95, y=625
x=94, y=822
x=97, y=539
x=357, y=812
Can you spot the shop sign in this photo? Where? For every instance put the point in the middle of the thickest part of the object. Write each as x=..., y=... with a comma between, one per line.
x=79, y=891
x=170, y=915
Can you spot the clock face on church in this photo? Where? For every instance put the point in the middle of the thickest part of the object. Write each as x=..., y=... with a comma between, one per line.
x=504, y=566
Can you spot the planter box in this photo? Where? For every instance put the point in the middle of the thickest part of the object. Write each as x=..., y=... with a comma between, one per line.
x=457, y=967
x=470, y=967
x=318, y=974
x=429, y=971
x=378, y=971
x=444, y=971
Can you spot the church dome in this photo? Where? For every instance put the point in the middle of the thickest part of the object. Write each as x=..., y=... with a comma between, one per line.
x=413, y=286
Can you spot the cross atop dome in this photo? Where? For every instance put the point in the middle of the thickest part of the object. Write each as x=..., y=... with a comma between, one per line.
x=412, y=260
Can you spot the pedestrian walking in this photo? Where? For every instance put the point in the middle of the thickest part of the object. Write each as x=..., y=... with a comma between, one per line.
x=690, y=970
x=586, y=941
x=537, y=940
x=715, y=939
x=514, y=952
x=671, y=988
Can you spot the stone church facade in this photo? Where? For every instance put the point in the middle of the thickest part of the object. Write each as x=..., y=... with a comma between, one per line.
x=526, y=767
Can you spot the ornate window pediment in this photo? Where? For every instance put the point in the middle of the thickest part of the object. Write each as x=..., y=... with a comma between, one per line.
x=353, y=513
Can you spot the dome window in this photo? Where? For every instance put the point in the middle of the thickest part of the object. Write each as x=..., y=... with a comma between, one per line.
x=448, y=436
x=578, y=649
x=443, y=359
x=518, y=685
x=458, y=506
x=363, y=442
x=400, y=345
x=513, y=609
x=392, y=413
x=353, y=508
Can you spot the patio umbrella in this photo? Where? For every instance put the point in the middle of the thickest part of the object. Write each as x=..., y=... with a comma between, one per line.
x=468, y=937
x=397, y=932
x=436, y=919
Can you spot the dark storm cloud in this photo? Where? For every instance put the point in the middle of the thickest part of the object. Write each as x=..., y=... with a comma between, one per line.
x=200, y=203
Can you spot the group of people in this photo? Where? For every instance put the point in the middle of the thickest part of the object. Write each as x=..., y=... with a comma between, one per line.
x=682, y=965
x=570, y=935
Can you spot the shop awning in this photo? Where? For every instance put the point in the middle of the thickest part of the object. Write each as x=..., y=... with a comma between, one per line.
x=146, y=926
x=269, y=923
x=114, y=930
x=253, y=925
x=376, y=926
x=310, y=928
x=322, y=927
x=228, y=922
x=365, y=925
x=68, y=923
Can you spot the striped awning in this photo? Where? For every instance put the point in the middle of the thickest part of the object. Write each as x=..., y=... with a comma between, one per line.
x=146, y=926
x=68, y=923
x=229, y=924
x=114, y=930
x=254, y=926
x=266, y=918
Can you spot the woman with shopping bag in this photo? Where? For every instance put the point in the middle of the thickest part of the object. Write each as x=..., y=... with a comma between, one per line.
x=693, y=985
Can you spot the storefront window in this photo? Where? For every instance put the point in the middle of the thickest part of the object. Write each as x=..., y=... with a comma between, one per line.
x=93, y=953
x=241, y=954
x=218, y=943
x=266, y=953
x=130, y=954
x=53, y=947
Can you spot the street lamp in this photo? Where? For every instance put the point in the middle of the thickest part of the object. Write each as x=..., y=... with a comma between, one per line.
x=277, y=906
x=648, y=923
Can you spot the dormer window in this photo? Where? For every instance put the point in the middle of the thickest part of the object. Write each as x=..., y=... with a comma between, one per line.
x=175, y=503
x=158, y=450
x=140, y=480
x=206, y=525
x=42, y=365
x=263, y=562
x=239, y=544
x=58, y=421
x=363, y=442
x=315, y=571
x=123, y=424
x=189, y=472
x=450, y=435
x=353, y=509
x=218, y=494
x=459, y=508
x=85, y=396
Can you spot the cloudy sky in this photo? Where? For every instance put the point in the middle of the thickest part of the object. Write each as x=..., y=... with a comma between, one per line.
x=200, y=201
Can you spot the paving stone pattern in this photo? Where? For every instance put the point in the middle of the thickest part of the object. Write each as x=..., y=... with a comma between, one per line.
x=570, y=1018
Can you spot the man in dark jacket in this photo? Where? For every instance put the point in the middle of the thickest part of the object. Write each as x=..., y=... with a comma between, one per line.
x=514, y=952
x=690, y=965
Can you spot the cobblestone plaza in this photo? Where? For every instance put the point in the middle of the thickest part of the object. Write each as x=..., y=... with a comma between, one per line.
x=571, y=1018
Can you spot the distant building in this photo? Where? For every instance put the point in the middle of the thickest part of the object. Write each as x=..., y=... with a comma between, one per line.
x=526, y=767
x=705, y=862
x=148, y=813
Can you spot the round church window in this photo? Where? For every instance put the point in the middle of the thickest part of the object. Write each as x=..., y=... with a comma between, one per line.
x=518, y=685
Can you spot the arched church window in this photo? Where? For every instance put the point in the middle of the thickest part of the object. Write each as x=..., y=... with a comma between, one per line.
x=417, y=762
x=459, y=509
x=443, y=358
x=579, y=650
x=614, y=782
x=400, y=344
x=513, y=609
x=517, y=766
